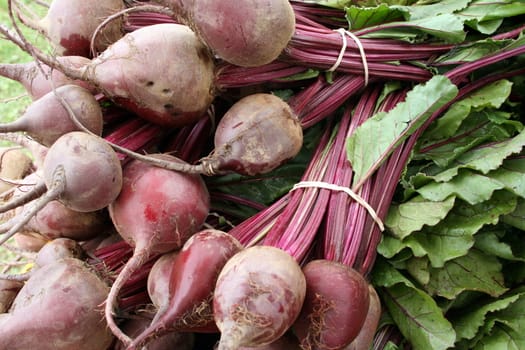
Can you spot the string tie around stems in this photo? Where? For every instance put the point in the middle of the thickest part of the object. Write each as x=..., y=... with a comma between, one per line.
x=348, y=191
x=354, y=37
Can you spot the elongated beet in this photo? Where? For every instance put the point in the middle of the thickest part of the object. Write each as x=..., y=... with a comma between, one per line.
x=184, y=303
x=58, y=309
x=156, y=212
x=40, y=79
x=258, y=296
x=335, y=307
x=46, y=119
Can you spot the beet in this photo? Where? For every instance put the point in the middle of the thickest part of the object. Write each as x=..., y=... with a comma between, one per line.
x=156, y=212
x=256, y=135
x=80, y=170
x=8, y=291
x=57, y=249
x=258, y=296
x=162, y=72
x=92, y=171
x=15, y=164
x=38, y=80
x=56, y=220
x=70, y=24
x=181, y=285
x=365, y=338
x=243, y=32
x=46, y=119
x=335, y=307
x=58, y=309
x=171, y=340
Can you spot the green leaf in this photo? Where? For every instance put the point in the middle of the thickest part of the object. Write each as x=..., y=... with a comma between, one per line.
x=475, y=271
x=494, y=242
x=411, y=216
x=375, y=139
x=477, y=129
x=501, y=338
x=468, y=52
x=489, y=96
x=453, y=237
x=517, y=217
x=418, y=317
x=485, y=16
x=447, y=27
x=385, y=275
x=467, y=185
x=484, y=159
x=437, y=8
x=468, y=322
x=362, y=17
x=511, y=174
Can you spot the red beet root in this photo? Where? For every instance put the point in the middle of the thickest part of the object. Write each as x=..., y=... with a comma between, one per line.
x=156, y=212
x=335, y=306
x=258, y=296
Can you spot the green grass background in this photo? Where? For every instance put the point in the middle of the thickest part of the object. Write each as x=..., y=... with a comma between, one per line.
x=13, y=99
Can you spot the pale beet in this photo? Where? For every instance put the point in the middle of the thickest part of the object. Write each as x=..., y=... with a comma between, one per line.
x=258, y=296
x=70, y=24
x=92, y=171
x=244, y=32
x=161, y=72
x=15, y=164
x=156, y=212
x=335, y=306
x=55, y=220
x=257, y=134
x=57, y=249
x=58, y=309
x=8, y=291
x=40, y=79
x=46, y=119
x=181, y=285
x=80, y=170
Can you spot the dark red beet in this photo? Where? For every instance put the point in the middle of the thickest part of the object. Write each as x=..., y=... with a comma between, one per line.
x=365, y=338
x=335, y=307
x=156, y=212
x=184, y=302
